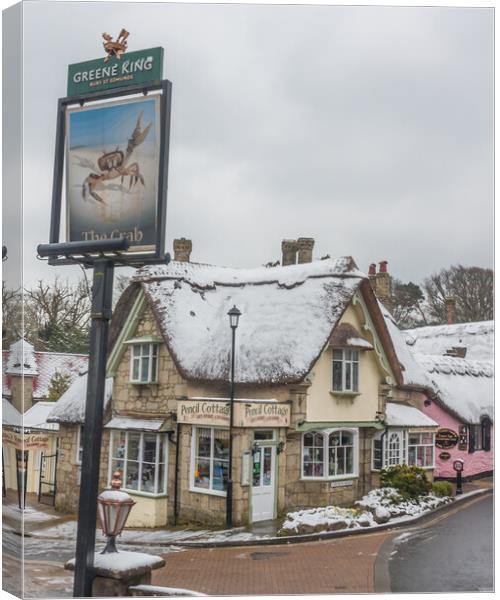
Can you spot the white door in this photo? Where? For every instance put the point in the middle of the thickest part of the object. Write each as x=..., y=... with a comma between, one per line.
x=263, y=483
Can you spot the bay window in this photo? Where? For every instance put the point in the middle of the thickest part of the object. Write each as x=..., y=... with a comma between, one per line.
x=329, y=454
x=345, y=376
x=210, y=460
x=141, y=459
x=403, y=447
x=144, y=363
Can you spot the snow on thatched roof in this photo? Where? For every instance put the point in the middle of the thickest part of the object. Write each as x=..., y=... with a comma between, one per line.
x=466, y=387
x=412, y=371
x=22, y=359
x=399, y=414
x=70, y=408
x=477, y=338
x=288, y=314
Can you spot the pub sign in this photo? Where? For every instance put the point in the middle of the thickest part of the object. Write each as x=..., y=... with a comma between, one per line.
x=446, y=438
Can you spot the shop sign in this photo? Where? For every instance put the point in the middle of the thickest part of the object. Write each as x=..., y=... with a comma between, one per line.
x=261, y=414
x=336, y=484
x=445, y=456
x=245, y=414
x=463, y=437
x=446, y=438
x=27, y=442
x=90, y=76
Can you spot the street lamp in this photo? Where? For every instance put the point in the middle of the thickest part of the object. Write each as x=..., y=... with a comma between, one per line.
x=114, y=507
x=234, y=317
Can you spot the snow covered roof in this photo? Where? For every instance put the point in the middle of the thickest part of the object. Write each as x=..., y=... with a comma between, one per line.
x=41, y=365
x=412, y=372
x=119, y=422
x=478, y=338
x=288, y=314
x=399, y=414
x=10, y=415
x=36, y=416
x=70, y=408
x=465, y=387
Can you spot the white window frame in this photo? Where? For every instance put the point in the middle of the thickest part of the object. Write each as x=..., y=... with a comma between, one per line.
x=344, y=362
x=421, y=445
x=152, y=354
x=192, y=484
x=326, y=437
x=140, y=462
x=79, y=445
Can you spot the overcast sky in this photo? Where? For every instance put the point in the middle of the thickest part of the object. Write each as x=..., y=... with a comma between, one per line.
x=369, y=129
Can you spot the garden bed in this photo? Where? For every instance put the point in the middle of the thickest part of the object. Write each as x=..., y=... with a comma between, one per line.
x=378, y=506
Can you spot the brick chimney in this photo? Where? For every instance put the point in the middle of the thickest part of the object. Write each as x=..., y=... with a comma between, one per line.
x=383, y=283
x=289, y=252
x=305, y=250
x=450, y=305
x=182, y=249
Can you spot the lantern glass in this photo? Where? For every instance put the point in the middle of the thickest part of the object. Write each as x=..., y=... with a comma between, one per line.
x=234, y=317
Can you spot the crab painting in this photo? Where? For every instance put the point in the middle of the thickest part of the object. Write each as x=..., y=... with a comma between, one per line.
x=116, y=164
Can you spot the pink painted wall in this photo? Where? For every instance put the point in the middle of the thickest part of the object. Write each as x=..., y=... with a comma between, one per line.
x=477, y=462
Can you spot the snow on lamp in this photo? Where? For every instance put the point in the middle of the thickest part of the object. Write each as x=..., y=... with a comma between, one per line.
x=114, y=507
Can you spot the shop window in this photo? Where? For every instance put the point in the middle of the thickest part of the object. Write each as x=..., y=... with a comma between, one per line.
x=345, y=377
x=210, y=460
x=141, y=459
x=421, y=449
x=480, y=436
x=486, y=434
x=329, y=454
x=79, y=445
x=144, y=363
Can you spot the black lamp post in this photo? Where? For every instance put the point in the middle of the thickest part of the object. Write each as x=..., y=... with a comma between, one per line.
x=114, y=507
x=234, y=317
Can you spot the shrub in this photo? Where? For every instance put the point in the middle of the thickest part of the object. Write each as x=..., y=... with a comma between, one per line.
x=411, y=482
x=442, y=488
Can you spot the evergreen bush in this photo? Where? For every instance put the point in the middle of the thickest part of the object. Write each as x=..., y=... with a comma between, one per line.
x=442, y=488
x=411, y=482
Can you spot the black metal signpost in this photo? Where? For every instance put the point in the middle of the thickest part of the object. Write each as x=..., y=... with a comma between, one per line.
x=458, y=465
x=102, y=255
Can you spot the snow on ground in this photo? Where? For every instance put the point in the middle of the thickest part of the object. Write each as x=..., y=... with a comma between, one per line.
x=30, y=515
x=378, y=506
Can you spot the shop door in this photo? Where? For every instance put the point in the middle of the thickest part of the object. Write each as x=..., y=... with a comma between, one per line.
x=263, y=483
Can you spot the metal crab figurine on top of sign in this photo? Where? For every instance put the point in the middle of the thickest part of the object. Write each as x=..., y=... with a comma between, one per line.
x=112, y=144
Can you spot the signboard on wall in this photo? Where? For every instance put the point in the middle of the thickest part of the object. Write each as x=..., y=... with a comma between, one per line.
x=446, y=438
x=28, y=441
x=112, y=170
x=246, y=413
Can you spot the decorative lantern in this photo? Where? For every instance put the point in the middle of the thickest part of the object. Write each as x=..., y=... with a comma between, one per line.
x=114, y=507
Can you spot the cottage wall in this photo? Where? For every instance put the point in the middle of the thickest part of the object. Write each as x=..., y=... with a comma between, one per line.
x=68, y=469
x=475, y=463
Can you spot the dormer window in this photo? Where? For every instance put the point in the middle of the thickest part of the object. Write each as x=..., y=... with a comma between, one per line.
x=144, y=363
x=345, y=370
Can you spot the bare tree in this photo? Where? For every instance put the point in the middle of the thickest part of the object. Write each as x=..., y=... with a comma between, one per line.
x=472, y=288
x=57, y=316
x=12, y=315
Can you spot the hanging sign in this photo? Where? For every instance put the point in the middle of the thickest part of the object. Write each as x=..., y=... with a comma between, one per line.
x=112, y=170
x=446, y=438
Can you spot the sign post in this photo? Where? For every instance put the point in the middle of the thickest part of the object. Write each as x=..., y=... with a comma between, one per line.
x=115, y=156
x=458, y=465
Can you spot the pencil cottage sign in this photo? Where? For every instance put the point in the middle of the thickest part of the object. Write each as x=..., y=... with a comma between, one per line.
x=249, y=413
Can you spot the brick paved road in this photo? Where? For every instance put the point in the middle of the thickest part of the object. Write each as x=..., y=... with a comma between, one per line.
x=309, y=568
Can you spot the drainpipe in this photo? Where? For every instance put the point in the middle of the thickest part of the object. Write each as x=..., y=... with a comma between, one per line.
x=176, y=480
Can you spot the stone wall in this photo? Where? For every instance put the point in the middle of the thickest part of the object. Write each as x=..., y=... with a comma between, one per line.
x=68, y=478
x=153, y=399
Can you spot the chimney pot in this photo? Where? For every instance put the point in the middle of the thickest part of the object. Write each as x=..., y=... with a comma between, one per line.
x=289, y=252
x=372, y=269
x=182, y=249
x=305, y=249
x=382, y=266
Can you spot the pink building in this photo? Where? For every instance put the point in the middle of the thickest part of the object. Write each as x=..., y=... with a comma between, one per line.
x=448, y=374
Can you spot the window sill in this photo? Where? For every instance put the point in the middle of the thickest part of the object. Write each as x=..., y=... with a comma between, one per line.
x=142, y=382
x=337, y=478
x=345, y=394
x=143, y=494
x=205, y=491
